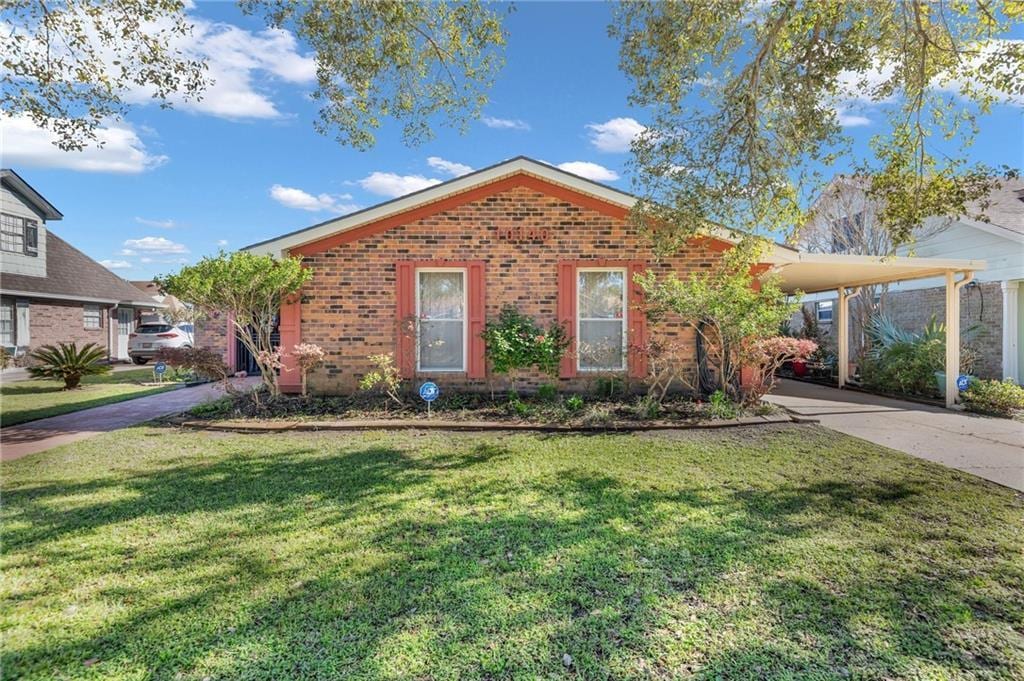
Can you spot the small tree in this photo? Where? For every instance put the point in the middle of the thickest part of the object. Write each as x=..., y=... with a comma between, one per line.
x=385, y=376
x=247, y=287
x=728, y=306
x=308, y=356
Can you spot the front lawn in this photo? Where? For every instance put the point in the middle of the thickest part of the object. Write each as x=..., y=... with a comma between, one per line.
x=33, y=399
x=777, y=552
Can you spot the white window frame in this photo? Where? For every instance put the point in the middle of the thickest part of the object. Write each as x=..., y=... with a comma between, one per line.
x=14, y=323
x=18, y=233
x=818, y=308
x=464, y=320
x=625, y=314
x=86, y=309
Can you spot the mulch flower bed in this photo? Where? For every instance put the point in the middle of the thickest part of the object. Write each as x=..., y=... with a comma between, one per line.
x=472, y=408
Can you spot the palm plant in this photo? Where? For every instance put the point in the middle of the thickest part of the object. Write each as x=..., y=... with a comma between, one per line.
x=69, y=363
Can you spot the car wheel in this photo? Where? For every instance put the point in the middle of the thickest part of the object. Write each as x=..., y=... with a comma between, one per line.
x=140, y=360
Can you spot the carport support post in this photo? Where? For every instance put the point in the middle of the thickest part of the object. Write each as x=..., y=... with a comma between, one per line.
x=953, y=334
x=843, y=353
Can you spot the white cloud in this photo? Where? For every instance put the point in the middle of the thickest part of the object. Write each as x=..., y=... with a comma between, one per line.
x=451, y=167
x=152, y=244
x=614, y=135
x=121, y=150
x=163, y=224
x=294, y=197
x=505, y=123
x=222, y=242
x=239, y=64
x=851, y=120
x=116, y=264
x=392, y=185
x=591, y=171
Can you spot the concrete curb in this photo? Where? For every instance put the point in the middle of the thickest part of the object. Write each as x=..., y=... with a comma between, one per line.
x=241, y=426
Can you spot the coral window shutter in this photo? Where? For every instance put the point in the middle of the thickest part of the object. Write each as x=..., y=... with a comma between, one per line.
x=477, y=354
x=637, y=352
x=405, y=313
x=567, y=315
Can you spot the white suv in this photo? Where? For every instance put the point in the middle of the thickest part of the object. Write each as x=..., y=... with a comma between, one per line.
x=149, y=339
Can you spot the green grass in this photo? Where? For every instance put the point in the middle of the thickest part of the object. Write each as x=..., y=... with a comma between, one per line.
x=775, y=553
x=22, y=401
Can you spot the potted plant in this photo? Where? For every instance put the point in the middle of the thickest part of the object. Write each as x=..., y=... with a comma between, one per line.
x=799, y=368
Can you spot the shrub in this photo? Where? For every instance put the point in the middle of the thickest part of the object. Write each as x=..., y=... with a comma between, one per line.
x=905, y=367
x=5, y=358
x=1003, y=398
x=204, y=362
x=764, y=357
x=518, y=407
x=721, y=407
x=384, y=377
x=647, y=407
x=516, y=342
x=574, y=403
x=609, y=386
x=308, y=356
x=547, y=392
x=69, y=363
x=215, y=408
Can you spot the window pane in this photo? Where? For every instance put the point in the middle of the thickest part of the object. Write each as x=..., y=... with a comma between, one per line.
x=600, y=345
x=6, y=324
x=441, y=295
x=441, y=345
x=92, y=317
x=12, y=233
x=600, y=295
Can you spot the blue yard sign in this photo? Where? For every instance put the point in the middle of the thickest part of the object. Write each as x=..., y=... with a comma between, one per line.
x=429, y=391
x=159, y=368
x=963, y=382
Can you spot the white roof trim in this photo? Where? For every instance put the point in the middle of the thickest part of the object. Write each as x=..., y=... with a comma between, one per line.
x=80, y=299
x=993, y=228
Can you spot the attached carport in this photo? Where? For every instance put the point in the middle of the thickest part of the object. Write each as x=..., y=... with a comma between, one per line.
x=848, y=274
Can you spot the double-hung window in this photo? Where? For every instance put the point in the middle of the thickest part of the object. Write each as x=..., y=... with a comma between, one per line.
x=601, y=319
x=441, y=314
x=12, y=233
x=824, y=308
x=8, y=333
x=91, y=316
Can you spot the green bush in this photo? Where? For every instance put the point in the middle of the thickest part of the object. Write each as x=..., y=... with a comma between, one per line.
x=720, y=406
x=516, y=342
x=69, y=363
x=609, y=386
x=1004, y=398
x=547, y=392
x=574, y=403
x=905, y=366
x=647, y=407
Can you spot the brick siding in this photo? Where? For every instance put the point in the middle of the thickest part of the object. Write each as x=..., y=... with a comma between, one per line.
x=349, y=307
x=55, y=322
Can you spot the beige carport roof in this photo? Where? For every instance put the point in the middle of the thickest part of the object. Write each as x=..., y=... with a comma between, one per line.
x=816, y=272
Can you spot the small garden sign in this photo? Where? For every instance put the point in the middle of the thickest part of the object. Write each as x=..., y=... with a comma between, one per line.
x=429, y=392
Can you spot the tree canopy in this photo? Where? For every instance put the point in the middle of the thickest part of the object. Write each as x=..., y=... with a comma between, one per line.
x=747, y=101
x=70, y=64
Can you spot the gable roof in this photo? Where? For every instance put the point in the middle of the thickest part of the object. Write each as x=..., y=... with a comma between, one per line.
x=72, y=275
x=516, y=171
x=17, y=184
x=1006, y=207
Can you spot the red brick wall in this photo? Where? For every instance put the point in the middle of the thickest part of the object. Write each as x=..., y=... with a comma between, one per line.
x=349, y=307
x=57, y=322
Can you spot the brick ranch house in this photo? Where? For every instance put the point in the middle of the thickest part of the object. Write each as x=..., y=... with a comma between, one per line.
x=554, y=245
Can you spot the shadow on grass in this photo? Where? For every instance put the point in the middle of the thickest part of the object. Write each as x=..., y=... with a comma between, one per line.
x=447, y=565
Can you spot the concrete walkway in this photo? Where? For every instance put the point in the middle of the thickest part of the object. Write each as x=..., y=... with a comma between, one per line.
x=37, y=436
x=990, y=448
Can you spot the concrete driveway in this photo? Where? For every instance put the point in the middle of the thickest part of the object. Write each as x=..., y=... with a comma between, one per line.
x=990, y=448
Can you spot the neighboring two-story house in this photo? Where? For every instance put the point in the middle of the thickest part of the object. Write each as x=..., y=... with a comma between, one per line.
x=992, y=305
x=50, y=292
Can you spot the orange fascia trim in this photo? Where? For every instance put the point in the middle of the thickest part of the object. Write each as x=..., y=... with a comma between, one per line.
x=462, y=198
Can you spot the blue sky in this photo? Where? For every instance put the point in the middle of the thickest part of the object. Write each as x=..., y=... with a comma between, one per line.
x=245, y=164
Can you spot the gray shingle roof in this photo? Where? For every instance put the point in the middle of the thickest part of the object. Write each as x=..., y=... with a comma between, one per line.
x=71, y=273
x=1006, y=206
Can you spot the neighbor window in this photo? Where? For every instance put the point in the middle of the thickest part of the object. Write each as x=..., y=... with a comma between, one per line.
x=824, y=308
x=8, y=335
x=91, y=314
x=12, y=233
x=601, y=319
x=441, y=312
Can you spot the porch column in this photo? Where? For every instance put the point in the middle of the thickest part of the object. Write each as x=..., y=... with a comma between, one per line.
x=953, y=334
x=1011, y=367
x=843, y=350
